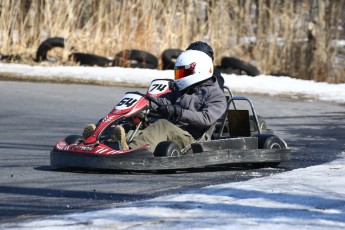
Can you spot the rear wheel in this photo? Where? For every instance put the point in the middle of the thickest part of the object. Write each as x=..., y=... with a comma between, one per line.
x=268, y=141
x=167, y=149
x=262, y=124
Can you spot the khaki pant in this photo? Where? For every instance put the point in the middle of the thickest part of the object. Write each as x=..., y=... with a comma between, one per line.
x=161, y=130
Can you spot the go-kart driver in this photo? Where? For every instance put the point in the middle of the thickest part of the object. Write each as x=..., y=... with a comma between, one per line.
x=187, y=112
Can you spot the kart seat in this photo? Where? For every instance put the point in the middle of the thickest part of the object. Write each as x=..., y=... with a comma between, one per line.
x=238, y=123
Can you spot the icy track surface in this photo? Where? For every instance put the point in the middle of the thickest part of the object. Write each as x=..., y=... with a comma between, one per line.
x=308, y=198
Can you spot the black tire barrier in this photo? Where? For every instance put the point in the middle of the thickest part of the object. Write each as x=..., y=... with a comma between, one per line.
x=10, y=58
x=169, y=58
x=89, y=59
x=45, y=46
x=228, y=64
x=280, y=74
x=135, y=59
x=218, y=75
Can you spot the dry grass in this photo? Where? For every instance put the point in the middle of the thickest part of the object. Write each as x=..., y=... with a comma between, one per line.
x=109, y=26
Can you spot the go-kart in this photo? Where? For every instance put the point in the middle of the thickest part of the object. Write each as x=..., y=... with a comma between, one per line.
x=240, y=136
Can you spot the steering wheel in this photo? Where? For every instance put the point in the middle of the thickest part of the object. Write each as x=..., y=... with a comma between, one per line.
x=149, y=98
x=153, y=113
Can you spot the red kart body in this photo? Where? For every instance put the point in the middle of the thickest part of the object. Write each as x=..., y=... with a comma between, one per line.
x=129, y=105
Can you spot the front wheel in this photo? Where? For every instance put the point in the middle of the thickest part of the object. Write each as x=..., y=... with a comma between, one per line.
x=167, y=149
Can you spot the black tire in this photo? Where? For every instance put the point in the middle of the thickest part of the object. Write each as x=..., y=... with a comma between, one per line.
x=167, y=149
x=168, y=58
x=135, y=59
x=269, y=141
x=72, y=139
x=45, y=46
x=10, y=58
x=262, y=124
x=234, y=63
x=280, y=74
x=89, y=59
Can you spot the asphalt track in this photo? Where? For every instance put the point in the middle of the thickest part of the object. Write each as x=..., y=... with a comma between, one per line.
x=33, y=116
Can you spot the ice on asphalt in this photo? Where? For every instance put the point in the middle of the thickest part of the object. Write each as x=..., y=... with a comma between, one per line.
x=305, y=198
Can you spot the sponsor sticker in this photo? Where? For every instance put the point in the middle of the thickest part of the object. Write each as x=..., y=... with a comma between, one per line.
x=83, y=148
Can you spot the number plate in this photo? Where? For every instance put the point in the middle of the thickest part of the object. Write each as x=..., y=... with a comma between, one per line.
x=128, y=101
x=158, y=87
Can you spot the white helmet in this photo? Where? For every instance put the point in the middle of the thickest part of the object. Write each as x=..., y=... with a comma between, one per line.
x=192, y=66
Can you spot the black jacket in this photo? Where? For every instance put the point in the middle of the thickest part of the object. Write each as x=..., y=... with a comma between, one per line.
x=202, y=105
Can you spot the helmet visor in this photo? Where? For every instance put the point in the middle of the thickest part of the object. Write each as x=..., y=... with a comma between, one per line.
x=184, y=71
